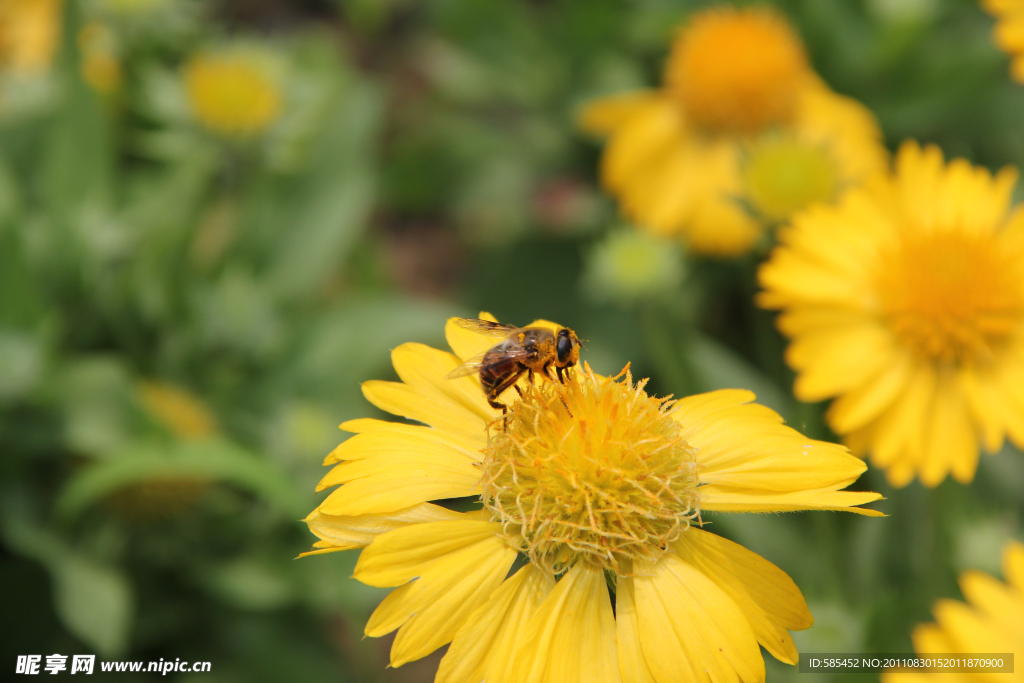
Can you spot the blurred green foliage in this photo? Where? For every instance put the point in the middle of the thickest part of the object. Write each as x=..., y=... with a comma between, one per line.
x=424, y=164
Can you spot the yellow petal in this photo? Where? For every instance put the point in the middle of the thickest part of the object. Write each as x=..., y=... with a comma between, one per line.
x=485, y=648
x=723, y=499
x=847, y=128
x=721, y=227
x=428, y=396
x=632, y=665
x=640, y=142
x=403, y=554
x=767, y=596
x=951, y=442
x=1003, y=605
x=432, y=608
x=900, y=431
x=834, y=361
x=467, y=343
x=866, y=402
x=604, y=116
x=689, y=629
x=744, y=447
x=1013, y=565
x=571, y=637
x=378, y=433
x=397, y=483
x=345, y=532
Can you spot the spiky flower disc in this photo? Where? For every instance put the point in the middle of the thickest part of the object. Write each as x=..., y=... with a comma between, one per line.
x=619, y=483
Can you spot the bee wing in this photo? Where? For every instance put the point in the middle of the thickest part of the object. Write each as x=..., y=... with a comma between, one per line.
x=481, y=362
x=488, y=327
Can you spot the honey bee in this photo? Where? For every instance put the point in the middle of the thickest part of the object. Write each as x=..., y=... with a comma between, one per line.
x=523, y=350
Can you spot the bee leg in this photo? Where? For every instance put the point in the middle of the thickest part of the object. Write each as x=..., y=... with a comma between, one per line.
x=558, y=371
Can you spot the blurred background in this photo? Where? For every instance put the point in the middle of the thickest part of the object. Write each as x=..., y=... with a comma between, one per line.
x=218, y=216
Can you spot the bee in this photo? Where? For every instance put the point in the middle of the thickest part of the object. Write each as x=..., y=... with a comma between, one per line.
x=523, y=350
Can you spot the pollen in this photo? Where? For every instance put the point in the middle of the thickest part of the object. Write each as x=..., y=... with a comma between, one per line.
x=737, y=71
x=234, y=93
x=784, y=175
x=592, y=470
x=951, y=295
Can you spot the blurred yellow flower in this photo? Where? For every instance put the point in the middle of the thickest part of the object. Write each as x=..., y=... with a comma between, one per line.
x=1009, y=32
x=992, y=621
x=101, y=67
x=742, y=120
x=907, y=302
x=234, y=92
x=177, y=410
x=29, y=35
x=589, y=482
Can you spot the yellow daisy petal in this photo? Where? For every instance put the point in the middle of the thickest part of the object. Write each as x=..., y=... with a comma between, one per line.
x=401, y=555
x=997, y=601
x=429, y=610
x=725, y=499
x=767, y=596
x=467, y=343
x=486, y=646
x=377, y=435
x=572, y=634
x=604, y=117
x=748, y=458
x=344, y=532
x=400, y=480
x=632, y=664
x=689, y=628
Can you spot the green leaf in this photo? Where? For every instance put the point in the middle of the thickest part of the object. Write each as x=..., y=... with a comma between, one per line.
x=94, y=601
x=329, y=209
x=214, y=460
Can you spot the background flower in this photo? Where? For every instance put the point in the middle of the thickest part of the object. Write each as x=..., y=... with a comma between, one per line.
x=992, y=620
x=907, y=301
x=742, y=135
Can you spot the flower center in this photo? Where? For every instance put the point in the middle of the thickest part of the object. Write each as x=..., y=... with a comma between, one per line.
x=737, y=70
x=232, y=94
x=595, y=469
x=784, y=175
x=951, y=295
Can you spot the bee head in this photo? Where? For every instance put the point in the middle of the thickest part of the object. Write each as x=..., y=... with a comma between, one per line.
x=567, y=348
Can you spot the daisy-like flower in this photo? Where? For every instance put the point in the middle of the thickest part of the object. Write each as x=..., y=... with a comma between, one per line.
x=29, y=31
x=1009, y=32
x=992, y=621
x=235, y=91
x=741, y=135
x=907, y=302
x=590, y=485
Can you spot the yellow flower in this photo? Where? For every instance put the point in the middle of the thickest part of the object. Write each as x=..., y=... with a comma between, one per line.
x=907, y=302
x=1009, y=32
x=101, y=67
x=234, y=92
x=29, y=32
x=742, y=135
x=183, y=414
x=589, y=483
x=992, y=621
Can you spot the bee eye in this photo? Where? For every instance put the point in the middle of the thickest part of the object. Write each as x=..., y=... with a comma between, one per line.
x=563, y=348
